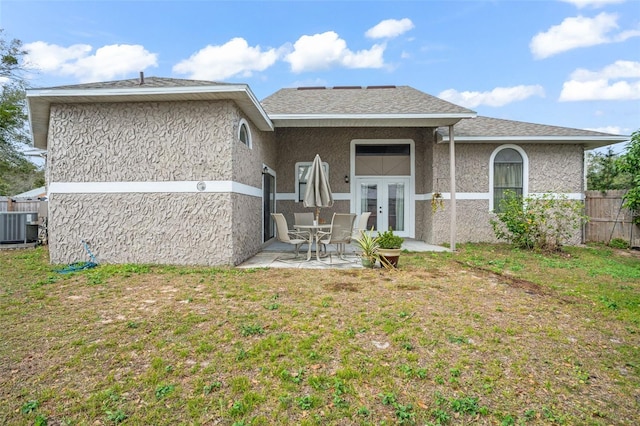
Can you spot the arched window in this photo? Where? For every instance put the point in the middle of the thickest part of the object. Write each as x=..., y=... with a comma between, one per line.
x=243, y=133
x=509, y=172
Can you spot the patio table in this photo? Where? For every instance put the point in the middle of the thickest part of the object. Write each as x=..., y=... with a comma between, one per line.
x=313, y=234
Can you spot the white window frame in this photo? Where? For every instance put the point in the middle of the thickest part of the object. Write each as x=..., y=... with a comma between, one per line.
x=411, y=201
x=244, y=123
x=298, y=196
x=525, y=171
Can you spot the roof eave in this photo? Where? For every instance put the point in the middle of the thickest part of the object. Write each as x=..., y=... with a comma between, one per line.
x=39, y=102
x=590, y=142
x=367, y=120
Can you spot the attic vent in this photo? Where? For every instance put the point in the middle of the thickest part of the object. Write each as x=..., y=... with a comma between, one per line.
x=381, y=87
x=347, y=87
x=312, y=88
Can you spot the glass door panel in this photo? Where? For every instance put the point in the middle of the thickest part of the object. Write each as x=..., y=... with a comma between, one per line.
x=369, y=202
x=395, y=206
x=386, y=199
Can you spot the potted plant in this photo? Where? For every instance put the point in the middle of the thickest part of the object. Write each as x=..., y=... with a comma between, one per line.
x=368, y=244
x=389, y=248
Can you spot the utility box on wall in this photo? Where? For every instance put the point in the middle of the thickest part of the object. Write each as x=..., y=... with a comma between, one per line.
x=18, y=227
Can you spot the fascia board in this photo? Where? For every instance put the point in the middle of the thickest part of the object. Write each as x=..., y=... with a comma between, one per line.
x=564, y=139
x=127, y=91
x=366, y=120
x=237, y=93
x=39, y=101
x=459, y=116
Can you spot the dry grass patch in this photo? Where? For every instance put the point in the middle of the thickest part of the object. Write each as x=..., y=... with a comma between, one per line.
x=486, y=336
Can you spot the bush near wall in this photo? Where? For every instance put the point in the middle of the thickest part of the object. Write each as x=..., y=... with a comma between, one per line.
x=544, y=222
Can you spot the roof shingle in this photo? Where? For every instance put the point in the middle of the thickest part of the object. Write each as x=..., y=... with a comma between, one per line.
x=358, y=100
x=135, y=82
x=496, y=127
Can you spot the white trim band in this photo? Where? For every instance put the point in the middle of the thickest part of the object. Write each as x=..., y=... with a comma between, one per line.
x=208, y=186
x=290, y=196
x=487, y=196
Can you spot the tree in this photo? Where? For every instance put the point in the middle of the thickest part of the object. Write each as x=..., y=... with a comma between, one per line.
x=630, y=163
x=17, y=174
x=604, y=172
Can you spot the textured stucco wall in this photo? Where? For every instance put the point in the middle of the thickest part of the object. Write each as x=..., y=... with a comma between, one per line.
x=557, y=168
x=169, y=141
x=248, y=161
x=472, y=222
x=151, y=141
x=246, y=220
x=190, y=229
x=552, y=168
x=333, y=145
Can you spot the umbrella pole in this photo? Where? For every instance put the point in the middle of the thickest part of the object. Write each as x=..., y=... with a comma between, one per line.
x=317, y=214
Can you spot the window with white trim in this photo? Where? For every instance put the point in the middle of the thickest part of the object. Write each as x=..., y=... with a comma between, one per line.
x=244, y=134
x=302, y=176
x=509, y=169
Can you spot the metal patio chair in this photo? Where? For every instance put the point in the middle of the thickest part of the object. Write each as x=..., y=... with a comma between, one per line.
x=289, y=236
x=361, y=225
x=303, y=218
x=340, y=232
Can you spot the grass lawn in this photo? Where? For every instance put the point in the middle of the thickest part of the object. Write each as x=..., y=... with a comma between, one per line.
x=488, y=335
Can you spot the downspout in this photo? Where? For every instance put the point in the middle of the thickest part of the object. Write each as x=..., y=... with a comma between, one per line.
x=452, y=179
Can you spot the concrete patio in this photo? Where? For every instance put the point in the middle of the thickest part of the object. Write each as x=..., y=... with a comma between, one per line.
x=281, y=255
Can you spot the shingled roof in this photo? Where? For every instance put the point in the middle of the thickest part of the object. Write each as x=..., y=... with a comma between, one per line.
x=358, y=100
x=144, y=82
x=151, y=89
x=488, y=129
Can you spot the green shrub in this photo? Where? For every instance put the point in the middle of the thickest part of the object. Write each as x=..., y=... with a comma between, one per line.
x=544, y=222
x=619, y=243
x=389, y=240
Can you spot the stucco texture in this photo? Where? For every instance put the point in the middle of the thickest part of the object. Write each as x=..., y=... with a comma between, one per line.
x=150, y=141
x=155, y=142
x=552, y=168
x=188, y=229
x=333, y=145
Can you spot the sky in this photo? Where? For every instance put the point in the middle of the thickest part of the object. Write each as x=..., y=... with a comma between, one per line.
x=571, y=63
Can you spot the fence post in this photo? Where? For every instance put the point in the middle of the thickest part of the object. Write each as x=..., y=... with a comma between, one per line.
x=9, y=204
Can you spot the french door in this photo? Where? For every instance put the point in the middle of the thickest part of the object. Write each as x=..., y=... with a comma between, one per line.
x=387, y=198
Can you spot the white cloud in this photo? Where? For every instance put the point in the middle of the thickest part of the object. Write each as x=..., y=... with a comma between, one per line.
x=108, y=62
x=599, y=90
x=390, y=28
x=578, y=32
x=614, y=130
x=585, y=85
x=327, y=50
x=234, y=58
x=592, y=3
x=499, y=96
x=619, y=69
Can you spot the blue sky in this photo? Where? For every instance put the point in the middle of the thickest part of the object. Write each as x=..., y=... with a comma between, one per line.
x=573, y=63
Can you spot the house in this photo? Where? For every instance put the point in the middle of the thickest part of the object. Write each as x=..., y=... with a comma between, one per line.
x=162, y=170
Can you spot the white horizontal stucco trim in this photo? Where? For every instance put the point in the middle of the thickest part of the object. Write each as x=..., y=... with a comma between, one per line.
x=486, y=195
x=290, y=196
x=210, y=186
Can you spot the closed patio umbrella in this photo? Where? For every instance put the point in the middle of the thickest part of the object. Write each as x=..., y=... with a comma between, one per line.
x=318, y=193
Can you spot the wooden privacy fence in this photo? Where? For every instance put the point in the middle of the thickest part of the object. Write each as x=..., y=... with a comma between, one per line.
x=18, y=205
x=608, y=219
